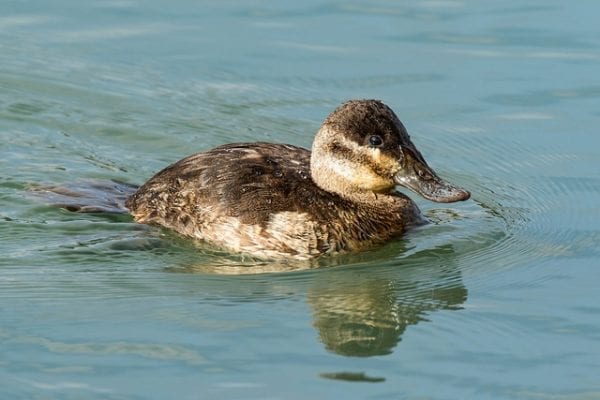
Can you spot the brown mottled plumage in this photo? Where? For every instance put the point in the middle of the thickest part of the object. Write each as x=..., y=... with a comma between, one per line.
x=277, y=200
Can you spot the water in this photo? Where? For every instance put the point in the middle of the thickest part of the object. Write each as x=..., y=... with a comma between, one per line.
x=497, y=298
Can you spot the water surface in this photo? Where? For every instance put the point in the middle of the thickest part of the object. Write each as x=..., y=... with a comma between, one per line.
x=496, y=298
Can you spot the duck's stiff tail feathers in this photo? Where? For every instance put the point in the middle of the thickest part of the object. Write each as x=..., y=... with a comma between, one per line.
x=90, y=196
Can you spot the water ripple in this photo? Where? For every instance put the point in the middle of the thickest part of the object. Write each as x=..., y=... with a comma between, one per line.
x=148, y=350
x=542, y=214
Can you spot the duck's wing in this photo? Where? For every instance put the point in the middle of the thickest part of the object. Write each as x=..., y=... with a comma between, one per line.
x=247, y=181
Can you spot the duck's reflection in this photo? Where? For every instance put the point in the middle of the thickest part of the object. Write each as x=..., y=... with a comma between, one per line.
x=368, y=318
x=363, y=310
x=364, y=322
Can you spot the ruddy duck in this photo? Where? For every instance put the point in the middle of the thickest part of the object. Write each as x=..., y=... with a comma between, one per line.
x=278, y=200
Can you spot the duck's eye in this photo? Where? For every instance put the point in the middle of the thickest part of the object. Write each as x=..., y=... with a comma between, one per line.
x=375, y=140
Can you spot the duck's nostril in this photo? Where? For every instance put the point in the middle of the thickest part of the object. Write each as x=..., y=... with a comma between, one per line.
x=424, y=174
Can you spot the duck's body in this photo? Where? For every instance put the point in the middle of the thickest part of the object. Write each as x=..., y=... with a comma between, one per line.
x=276, y=200
x=259, y=198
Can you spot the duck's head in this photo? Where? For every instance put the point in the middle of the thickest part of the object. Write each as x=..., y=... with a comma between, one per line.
x=362, y=147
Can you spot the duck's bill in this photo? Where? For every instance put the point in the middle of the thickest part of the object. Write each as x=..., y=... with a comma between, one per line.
x=419, y=177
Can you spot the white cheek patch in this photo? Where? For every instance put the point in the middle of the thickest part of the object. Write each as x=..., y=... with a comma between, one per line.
x=343, y=168
x=359, y=175
x=358, y=169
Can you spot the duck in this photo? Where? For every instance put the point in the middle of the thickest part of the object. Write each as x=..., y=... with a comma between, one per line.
x=280, y=201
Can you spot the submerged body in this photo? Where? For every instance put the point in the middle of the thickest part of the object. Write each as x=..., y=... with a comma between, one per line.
x=275, y=200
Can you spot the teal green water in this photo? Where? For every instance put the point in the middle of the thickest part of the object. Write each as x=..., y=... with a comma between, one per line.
x=497, y=298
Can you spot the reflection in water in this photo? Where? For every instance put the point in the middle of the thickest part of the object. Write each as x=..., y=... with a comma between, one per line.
x=362, y=310
x=366, y=321
x=367, y=316
x=351, y=377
